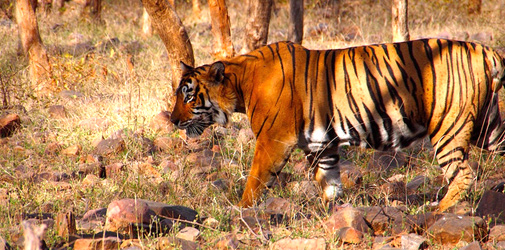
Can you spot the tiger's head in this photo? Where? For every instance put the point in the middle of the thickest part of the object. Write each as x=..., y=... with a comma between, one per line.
x=202, y=99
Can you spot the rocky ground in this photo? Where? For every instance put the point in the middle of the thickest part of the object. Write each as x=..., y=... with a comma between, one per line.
x=131, y=223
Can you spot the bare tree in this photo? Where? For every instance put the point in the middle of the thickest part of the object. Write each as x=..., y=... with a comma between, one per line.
x=173, y=34
x=256, y=33
x=40, y=68
x=147, y=28
x=474, y=6
x=400, y=21
x=223, y=47
x=295, y=32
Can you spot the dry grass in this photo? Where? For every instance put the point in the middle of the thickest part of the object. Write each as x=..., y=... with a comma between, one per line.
x=128, y=100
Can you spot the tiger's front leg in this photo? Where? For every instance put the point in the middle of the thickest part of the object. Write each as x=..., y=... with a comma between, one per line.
x=269, y=159
x=327, y=172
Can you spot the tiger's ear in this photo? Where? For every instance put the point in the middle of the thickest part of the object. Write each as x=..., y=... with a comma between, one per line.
x=216, y=72
x=186, y=68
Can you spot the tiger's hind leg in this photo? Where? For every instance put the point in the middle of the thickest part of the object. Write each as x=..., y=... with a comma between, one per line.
x=490, y=129
x=452, y=155
x=327, y=172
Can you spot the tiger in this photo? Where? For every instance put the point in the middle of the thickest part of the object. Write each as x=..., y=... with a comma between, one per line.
x=381, y=96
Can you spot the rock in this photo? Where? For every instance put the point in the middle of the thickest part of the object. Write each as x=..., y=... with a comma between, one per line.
x=350, y=235
x=350, y=176
x=211, y=222
x=9, y=124
x=57, y=111
x=175, y=243
x=413, y=242
x=122, y=213
x=161, y=122
x=188, y=233
x=491, y=206
x=91, y=168
x=221, y=184
x=108, y=243
x=450, y=229
x=172, y=211
x=421, y=222
x=166, y=144
x=53, y=148
x=347, y=217
x=65, y=224
x=228, y=241
x=132, y=244
x=418, y=181
x=472, y=246
x=483, y=37
x=73, y=150
x=114, y=170
x=110, y=147
x=90, y=180
x=497, y=233
x=386, y=220
x=385, y=161
x=299, y=243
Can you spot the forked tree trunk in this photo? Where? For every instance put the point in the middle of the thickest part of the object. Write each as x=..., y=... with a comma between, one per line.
x=40, y=69
x=295, y=31
x=147, y=28
x=474, y=6
x=256, y=33
x=173, y=34
x=223, y=47
x=400, y=21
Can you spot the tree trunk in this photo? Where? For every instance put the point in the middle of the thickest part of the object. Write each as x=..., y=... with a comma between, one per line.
x=256, y=33
x=295, y=32
x=196, y=8
x=40, y=69
x=223, y=47
x=173, y=34
x=96, y=9
x=474, y=6
x=147, y=28
x=400, y=21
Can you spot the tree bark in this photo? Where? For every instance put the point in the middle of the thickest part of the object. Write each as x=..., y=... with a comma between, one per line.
x=256, y=33
x=40, y=69
x=147, y=28
x=173, y=34
x=400, y=21
x=295, y=29
x=223, y=47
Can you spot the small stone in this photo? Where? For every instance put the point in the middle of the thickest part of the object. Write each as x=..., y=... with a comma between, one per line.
x=91, y=180
x=161, y=122
x=472, y=246
x=108, y=243
x=299, y=243
x=413, y=242
x=451, y=229
x=73, y=150
x=175, y=243
x=122, y=213
x=491, y=206
x=114, y=170
x=350, y=176
x=307, y=189
x=347, y=217
x=167, y=144
x=415, y=183
x=245, y=135
x=8, y=124
x=57, y=111
x=350, y=235
x=110, y=147
x=188, y=233
x=228, y=241
x=53, y=148
x=211, y=222
x=497, y=233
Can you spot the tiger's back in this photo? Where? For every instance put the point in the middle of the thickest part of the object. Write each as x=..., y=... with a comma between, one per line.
x=382, y=96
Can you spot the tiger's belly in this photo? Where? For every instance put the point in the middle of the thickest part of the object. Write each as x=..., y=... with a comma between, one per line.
x=380, y=134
